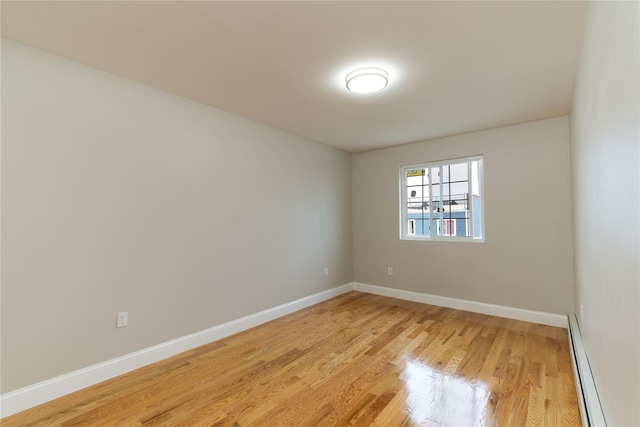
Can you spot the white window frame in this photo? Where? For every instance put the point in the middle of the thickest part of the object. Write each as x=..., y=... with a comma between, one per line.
x=432, y=220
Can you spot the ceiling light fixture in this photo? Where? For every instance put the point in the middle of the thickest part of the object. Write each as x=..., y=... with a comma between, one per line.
x=367, y=80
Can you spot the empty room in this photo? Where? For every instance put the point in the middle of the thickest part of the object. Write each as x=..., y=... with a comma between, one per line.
x=320, y=213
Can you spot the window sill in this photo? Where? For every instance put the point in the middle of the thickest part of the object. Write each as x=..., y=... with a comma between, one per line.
x=443, y=239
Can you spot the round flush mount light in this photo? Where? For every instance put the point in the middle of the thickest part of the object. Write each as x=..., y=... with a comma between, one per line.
x=367, y=80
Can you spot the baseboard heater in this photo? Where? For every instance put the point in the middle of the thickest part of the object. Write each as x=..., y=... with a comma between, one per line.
x=590, y=408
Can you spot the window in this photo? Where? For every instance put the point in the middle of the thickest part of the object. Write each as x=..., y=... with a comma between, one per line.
x=442, y=200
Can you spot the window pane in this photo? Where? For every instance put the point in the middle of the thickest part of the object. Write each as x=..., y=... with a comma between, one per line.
x=459, y=172
x=417, y=202
x=414, y=180
x=434, y=175
x=457, y=188
x=475, y=174
x=476, y=200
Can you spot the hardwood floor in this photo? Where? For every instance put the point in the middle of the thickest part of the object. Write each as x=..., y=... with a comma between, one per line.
x=355, y=360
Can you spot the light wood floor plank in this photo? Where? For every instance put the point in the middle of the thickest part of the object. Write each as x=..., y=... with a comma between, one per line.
x=355, y=360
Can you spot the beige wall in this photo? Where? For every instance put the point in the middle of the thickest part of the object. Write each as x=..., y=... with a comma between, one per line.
x=605, y=151
x=117, y=196
x=526, y=260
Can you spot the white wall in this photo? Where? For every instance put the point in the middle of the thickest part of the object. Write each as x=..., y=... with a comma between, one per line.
x=605, y=142
x=526, y=260
x=120, y=197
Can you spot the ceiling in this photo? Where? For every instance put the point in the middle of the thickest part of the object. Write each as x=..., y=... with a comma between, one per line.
x=453, y=67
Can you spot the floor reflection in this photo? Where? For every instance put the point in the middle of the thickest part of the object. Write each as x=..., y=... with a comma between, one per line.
x=438, y=398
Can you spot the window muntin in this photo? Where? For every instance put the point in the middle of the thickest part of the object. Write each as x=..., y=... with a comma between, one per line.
x=442, y=200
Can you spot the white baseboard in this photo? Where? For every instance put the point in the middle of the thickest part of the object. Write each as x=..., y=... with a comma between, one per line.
x=36, y=394
x=473, y=306
x=590, y=407
x=33, y=395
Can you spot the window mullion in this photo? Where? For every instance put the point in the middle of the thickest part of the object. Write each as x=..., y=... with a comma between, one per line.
x=429, y=185
x=469, y=212
x=422, y=204
x=441, y=202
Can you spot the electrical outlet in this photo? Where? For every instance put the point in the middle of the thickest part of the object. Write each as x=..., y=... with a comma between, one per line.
x=390, y=271
x=326, y=271
x=123, y=319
